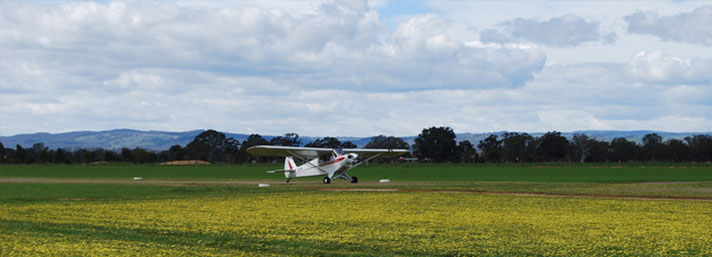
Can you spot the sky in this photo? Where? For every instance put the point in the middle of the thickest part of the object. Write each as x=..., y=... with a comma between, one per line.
x=355, y=68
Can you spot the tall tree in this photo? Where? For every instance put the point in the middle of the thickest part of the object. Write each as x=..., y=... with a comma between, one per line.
x=515, y=147
x=20, y=154
x=581, y=146
x=142, y=155
x=252, y=140
x=700, y=147
x=437, y=144
x=127, y=155
x=348, y=144
x=623, y=150
x=289, y=139
x=231, y=150
x=175, y=153
x=599, y=151
x=3, y=154
x=676, y=151
x=652, y=147
x=466, y=150
x=328, y=142
x=491, y=148
x=552, y=147
x=59, y=156
x=386, y=142
x=212, y=146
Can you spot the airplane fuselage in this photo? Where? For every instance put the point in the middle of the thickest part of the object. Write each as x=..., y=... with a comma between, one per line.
x=335, y=166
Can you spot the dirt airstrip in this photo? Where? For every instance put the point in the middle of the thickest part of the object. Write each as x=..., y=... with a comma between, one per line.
x=129, y=181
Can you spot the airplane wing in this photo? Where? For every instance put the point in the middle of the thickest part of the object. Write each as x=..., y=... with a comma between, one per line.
x=383, y=153
x=284, y=151
x=306, y=152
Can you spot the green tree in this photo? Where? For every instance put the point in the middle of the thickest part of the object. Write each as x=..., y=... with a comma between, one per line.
x=676, y=151
x=623, y=150
x=386, y=142
x=289, y=139
x=20, y=154
x=127, y=155
x=467, y=153
x=141, y=155
x=252, y=140
x=212, y=146
x=111, y=156
x=3, y=153
x=327, y=142
x=437, y=144
x=552, y=147
x=491, y=148
x=652, y=147
x=516, y=147
x=581, y=147
x=59, y=156
x=348, y=144
x=700, y=147
x=599, y=151
x=175, y=152
x=231, y=150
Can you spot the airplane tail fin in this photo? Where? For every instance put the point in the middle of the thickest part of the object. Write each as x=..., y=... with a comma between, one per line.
x=290, y=167
x=289, y=164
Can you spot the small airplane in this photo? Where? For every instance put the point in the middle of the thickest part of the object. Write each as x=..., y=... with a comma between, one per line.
x=326, y=162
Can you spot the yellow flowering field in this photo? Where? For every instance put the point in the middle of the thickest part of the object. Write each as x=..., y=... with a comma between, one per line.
x=316, y=223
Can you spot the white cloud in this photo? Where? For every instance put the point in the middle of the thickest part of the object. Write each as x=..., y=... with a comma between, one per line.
x=688, y=27
x=563, y=31
x=328, y=69
x=657, y=67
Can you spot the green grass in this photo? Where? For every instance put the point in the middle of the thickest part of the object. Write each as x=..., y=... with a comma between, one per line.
x=42, y=218
x=24, y=192
x=313, y=223
x=395, y=172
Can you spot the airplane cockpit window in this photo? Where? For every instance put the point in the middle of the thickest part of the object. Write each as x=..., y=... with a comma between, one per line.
x=339, y=151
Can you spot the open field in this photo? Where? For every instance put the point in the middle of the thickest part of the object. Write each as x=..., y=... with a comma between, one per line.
x=396, y=172
x=491, y=211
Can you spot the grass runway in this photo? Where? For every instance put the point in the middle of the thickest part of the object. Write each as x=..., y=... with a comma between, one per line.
x=219, y=211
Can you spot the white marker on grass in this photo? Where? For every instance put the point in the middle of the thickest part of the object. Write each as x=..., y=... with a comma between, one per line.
x=263, y=185
x=385, y=180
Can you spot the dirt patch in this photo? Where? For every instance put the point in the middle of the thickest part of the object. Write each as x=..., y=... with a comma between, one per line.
x=186, y=162
x=570, y=195
x=360, y=189
x=129, y=181
x=670, y=183
x=516, y=194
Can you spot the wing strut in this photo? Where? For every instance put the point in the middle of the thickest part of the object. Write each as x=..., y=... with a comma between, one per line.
x=369, y=158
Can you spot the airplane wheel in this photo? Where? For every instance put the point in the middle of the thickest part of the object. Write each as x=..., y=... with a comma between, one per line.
x=354, y=180
x=327, y=180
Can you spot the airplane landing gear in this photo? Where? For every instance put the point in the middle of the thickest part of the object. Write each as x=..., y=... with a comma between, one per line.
x=288, y=180
x=354, y=180
x=327, y=180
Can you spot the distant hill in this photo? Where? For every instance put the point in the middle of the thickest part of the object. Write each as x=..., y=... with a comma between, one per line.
x=162, y=140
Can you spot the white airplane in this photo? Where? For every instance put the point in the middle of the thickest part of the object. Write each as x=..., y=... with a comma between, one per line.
x=326, y=162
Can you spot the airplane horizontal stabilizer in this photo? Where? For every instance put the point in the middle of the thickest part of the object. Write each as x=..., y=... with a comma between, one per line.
x=279, y=171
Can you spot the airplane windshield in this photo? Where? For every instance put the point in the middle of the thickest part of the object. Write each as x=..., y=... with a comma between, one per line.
x=339, y=151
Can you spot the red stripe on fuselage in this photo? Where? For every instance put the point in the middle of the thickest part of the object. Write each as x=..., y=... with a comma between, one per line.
x=332, y=162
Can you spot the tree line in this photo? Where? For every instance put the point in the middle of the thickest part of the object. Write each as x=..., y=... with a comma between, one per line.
x=435, y=144
x=211, y=146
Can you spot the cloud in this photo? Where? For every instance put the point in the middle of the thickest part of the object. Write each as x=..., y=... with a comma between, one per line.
x=657, y=67
x=337, y=45
x=330, y=69
x=691, y=27
x=564, y=31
